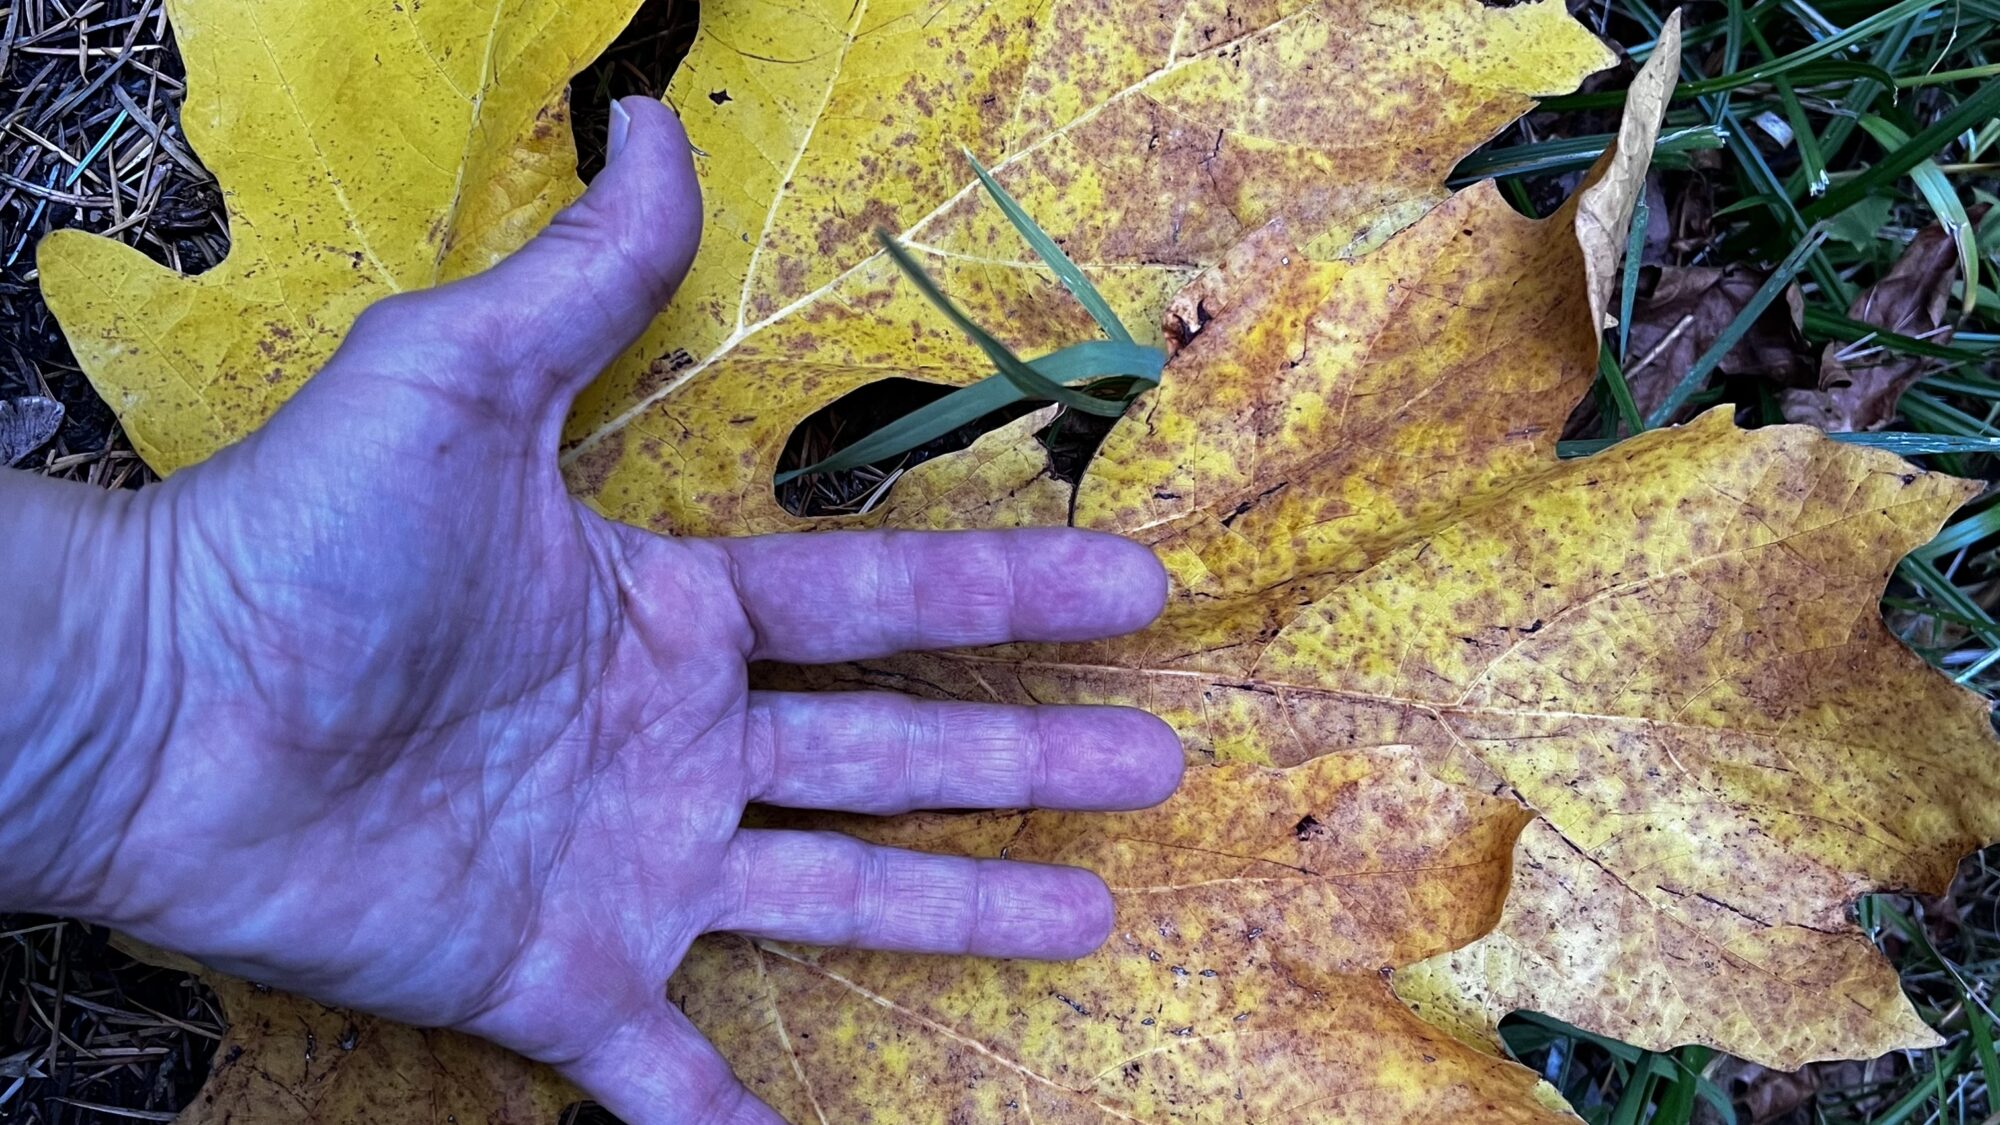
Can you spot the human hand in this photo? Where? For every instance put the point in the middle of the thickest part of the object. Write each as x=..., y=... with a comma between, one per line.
x=419, y=734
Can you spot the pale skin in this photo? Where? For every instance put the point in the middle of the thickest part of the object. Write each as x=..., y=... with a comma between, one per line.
x=368, y=708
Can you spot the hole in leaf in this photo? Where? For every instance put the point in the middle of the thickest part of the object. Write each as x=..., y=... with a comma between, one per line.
x=642, y=60
x=855, y=415
x=586, y=1113
x=1071, y=439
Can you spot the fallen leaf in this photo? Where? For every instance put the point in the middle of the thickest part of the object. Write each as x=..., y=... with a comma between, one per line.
x=26, y=424
x=1860, y=382
x=1686, y=311
x=1131, y=125
x=291, y=1060
x=362, y=150
x=1258, y=911
x=1670, y=651
x=1396, y=613
x=286, y=1060
x=1764, y=1095
x=1151, y=135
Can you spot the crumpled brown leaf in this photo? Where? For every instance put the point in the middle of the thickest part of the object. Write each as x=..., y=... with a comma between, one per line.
x=1859, y=383
x=1688, y=309
x=26, y=423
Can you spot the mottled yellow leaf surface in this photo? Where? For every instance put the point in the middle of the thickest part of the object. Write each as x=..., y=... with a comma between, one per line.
x=290, y=1061
x=369, y=147
x=1258, y=912
x=1149, y=135
x=1670, y=651
x=363, y=148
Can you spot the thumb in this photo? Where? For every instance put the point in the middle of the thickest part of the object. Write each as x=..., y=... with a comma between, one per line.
x=577, y=295
x=532, y=330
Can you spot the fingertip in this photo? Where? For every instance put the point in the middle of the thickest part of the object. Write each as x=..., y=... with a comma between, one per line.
x=653, y=168
x=1106, y=759
x=1149, y=581
x=1158, y=759
x=1133, y=577
x=1047, y=912
x=1096, y=914
x=1089, y=584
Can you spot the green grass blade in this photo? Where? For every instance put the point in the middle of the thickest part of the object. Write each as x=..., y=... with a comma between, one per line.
x=1971, y=112
x=1941, y=77
x=1901, y=444
x=1935, y=414
x=1812, y=163
x=1628, y=282
x=1624, y=1052
x=1859, y=32
x=1943, y=197
x=1621, y=391
x=1823, y=324
x=1059, y=263
x=1638, y=1095
x=1921, y=574
x=1031, y=382
x=1095, y=358
x=1573, y=153
x=1981, y=1026
x=1906, y=1107
x=1774, y=196
x=1698, y=373
x=1686, y=1087
x=1962, y=534
x=1888, y=52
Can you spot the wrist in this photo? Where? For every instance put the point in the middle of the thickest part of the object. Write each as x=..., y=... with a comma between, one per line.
x=81, y=725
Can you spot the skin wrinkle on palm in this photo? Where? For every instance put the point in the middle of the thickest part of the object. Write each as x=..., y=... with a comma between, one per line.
x=385, y=849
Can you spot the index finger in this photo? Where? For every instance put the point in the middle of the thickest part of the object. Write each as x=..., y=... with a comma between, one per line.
x=816, y=598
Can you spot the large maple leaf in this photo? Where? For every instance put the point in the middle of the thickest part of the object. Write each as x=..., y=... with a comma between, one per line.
x=1669, y=651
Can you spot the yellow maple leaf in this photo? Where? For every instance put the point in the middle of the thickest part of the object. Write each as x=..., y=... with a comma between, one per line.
x=362, y=150
x=1670, y=651
x=398, y=145
x=1258, y=911
x=1154, y=134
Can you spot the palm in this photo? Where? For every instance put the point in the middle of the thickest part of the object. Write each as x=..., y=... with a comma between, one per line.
x=477, y=757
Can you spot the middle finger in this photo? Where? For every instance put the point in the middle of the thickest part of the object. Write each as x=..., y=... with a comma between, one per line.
x=878, y=752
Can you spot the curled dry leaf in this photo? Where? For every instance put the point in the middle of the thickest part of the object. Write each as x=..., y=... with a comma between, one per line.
x=1860, y=382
